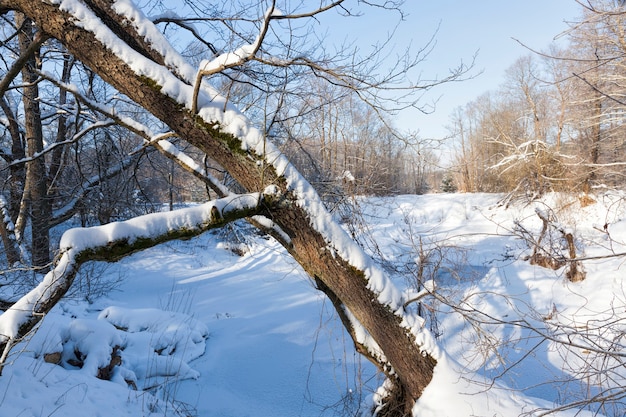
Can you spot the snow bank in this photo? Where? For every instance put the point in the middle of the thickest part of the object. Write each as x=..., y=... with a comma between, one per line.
x=152, y=345
x=454, y=392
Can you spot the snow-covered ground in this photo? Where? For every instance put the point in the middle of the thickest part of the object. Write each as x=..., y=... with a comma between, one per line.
x=212, y=327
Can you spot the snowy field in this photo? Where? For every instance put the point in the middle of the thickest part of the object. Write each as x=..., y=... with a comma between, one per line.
x=228, y=325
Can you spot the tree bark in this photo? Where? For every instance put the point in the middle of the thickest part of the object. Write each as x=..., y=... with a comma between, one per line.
x=7, y=234
x=16, y=182
x=408, y=367
x=36, y=175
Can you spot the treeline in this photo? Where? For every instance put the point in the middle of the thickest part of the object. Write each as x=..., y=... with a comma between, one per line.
x=341, y=143
x=557, y=122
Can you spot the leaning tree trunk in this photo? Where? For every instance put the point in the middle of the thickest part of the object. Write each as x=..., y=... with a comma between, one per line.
x=408, y=366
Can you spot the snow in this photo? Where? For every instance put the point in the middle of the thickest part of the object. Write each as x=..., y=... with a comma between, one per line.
x=202, y=330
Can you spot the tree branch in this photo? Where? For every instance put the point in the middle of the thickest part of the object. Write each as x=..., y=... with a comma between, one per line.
x=231, y=59
x=19, y=63
x=114, y=241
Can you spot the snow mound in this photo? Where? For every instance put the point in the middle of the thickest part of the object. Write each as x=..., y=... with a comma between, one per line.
x=139, y=348
x=159, y=344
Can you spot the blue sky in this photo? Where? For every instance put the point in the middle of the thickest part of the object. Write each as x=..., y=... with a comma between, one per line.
x=466, y=27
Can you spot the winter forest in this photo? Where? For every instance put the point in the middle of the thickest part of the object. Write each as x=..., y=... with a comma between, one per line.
x=208, y=210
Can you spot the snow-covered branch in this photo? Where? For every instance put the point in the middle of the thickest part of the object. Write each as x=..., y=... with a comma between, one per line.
x=232, y=59
x=189, y=164
x=113, y=241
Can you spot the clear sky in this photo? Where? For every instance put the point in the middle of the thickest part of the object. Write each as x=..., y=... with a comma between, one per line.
x=466, y=27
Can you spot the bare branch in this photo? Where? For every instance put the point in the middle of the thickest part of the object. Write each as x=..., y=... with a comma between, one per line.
x=19, y=63
x=231, y=59
x=185, y=25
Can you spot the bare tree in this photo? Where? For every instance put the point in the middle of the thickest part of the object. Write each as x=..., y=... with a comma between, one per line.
x=61, y=153
x=35, y=198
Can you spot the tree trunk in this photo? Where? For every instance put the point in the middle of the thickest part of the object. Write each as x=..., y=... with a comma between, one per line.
x=595, y=137
x=17, y=172
x=408, y=367
x=8, y=211
x=58, y=154
x=36, y=176
x=9, y=241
